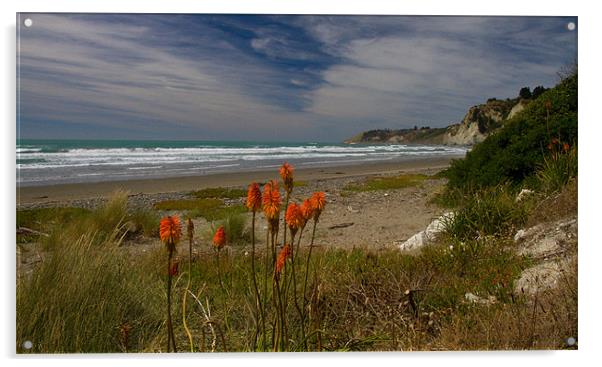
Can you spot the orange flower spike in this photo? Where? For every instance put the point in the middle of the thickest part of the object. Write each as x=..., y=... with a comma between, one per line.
x=294, y=218
x=170, y=231
x=271, y=200
x=281, y=260
x=254, y=197
x=318, y=200
x=219, y=239
x=566, y=147
x=307, y=210
x=286, y=173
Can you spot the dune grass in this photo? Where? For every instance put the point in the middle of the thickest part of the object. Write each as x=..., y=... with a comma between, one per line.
x=86, y=294
x=387, y=183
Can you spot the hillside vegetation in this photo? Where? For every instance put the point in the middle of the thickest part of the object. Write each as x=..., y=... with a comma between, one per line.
x=514, y=153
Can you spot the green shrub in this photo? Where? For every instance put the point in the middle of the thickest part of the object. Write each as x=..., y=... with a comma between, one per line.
x=492, y=211
x=557, y=169
x=515, y=151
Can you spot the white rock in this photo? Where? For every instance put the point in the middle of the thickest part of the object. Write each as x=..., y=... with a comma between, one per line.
x=519, y=235
x=523, y=194
x=424, y=237
x=470, y=297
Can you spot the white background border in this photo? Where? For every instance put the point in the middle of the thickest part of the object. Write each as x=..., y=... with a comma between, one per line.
x=590, y=85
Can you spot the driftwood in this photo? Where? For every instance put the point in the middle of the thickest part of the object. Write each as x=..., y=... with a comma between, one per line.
x=25, y=230
x=342, y=225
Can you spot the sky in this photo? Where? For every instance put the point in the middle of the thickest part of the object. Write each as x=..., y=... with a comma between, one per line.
x=272, y=78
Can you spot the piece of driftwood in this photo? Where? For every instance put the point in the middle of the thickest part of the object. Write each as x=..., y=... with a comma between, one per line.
x=25, y=230
x=342, y=225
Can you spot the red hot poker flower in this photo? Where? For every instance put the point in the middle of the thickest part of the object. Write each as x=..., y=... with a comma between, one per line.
x=294, y=218
x=307, y=211
x=286, y=173
x=281, y=260
x=219, y=239
x=271, y=200
x=253, y=197
x=170, y=231
x=318, y=201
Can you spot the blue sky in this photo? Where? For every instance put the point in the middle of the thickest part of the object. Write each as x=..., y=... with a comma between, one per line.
x=286, y=78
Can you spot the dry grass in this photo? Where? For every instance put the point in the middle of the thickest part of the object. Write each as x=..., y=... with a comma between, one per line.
x=556, y=206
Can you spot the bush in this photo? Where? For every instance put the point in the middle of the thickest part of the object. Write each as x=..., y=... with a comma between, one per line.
x=516, y=151
x=557, y=170
x=489, y=212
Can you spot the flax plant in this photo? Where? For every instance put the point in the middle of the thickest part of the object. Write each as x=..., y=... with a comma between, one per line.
x=170, y=232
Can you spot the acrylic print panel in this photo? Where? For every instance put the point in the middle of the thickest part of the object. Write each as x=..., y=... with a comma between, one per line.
x=245, y=183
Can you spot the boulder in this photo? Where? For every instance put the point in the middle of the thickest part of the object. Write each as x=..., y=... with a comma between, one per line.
x=428, y=235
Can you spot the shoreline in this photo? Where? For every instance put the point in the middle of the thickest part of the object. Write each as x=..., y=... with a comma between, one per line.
x=93, y=190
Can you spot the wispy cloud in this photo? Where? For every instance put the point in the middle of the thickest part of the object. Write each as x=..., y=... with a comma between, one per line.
x=277, y=77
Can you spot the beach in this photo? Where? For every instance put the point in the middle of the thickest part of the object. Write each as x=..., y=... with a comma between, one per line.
x=61, y=193
x=368, y=219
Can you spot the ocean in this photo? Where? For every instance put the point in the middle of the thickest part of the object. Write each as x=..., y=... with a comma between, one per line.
x=47, y=162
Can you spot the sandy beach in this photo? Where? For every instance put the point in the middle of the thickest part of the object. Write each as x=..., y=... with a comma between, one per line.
x=55, y=194
x=373, y=219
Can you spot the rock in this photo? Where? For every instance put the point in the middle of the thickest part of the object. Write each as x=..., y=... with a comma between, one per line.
x=523, y=194
x=545, y=240
x=424, y=237
x=519, y=235
x=472, y=298
x=542, y=277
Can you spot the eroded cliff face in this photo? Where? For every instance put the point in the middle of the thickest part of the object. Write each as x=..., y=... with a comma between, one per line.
x=478, y=123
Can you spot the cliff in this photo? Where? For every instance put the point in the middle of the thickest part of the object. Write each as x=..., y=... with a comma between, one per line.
x=479, y=122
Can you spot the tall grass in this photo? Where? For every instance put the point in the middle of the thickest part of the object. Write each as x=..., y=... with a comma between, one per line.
x=491, y=211
x=557, y=169
x=82, y=296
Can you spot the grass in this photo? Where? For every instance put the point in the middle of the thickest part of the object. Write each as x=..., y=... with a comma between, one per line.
x=84, y=295
x=209, y=208
x=189, y=204
x=219, y=193
x=85, y=290
x=557, y=170
x=492, y=211
x=43, y=219
x=387, y=183
x=359, y=297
